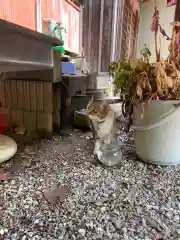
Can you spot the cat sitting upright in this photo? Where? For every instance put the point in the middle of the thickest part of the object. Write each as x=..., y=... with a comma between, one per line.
x=103, y=125
x=102, y=120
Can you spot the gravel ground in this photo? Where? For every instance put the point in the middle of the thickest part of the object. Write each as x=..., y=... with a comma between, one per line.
x=131, y=201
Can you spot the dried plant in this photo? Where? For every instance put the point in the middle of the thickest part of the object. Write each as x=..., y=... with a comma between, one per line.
x=174, y=47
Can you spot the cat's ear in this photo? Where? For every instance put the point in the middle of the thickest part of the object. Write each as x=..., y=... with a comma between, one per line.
x=92, y=98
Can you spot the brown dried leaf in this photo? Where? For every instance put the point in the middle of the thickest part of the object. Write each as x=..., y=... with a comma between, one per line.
x=163, y=81
x=148, y=86
x=169, y=82
x=56, y=193
x=163, y=32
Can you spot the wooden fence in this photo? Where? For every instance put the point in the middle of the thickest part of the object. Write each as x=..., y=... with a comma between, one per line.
x=109, y=31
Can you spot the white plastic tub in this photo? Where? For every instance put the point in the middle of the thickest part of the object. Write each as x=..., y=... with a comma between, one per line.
x=157, y=134
x=8, y=148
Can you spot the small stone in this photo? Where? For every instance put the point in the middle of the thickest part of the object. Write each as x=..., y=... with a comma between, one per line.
x=90, y=225
x=117, y=224
x=36, y=237
x=114, y=195
x=12, y=182
x=90, y=186
x=139, y=210
x=2, y=232
x=41, y=224
x=124, y=230
x=124, y=185
x=98, y=203
x=148, y=186
x=90, y=213
x=169, y=215
x=105, y=195
x=14, y=236
x=30, y=234
x=176, y=218
x=82, y=232
x=36, y=221
x=35, y=203
x=100, y=231
x=126, y=237
x=103, y=209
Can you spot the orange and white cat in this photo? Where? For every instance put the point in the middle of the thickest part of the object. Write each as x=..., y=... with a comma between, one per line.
x=103, y=120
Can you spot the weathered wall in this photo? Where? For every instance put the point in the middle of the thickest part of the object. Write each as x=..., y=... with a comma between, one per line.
x=70, y=17
x=51, y=9
x=146, y=36
x=19, y=12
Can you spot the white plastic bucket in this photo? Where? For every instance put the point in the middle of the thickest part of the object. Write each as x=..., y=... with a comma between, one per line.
x=8, y=148
x=157, y=134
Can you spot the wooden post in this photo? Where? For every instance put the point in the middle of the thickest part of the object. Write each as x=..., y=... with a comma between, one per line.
x=177, y=11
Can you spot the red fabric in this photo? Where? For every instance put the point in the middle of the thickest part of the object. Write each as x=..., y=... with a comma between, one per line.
x=3, y=123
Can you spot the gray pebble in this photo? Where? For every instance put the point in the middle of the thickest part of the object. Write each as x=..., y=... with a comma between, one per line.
x=24, y=237
x=82, y=232
x=30, y=234
x=103, y=203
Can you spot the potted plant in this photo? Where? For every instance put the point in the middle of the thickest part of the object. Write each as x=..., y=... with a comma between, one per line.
x=150, y=95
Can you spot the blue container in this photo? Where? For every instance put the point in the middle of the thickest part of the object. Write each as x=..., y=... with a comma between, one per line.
x=68, y=68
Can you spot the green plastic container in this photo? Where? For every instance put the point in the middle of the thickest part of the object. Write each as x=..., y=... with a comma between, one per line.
x=59, y=49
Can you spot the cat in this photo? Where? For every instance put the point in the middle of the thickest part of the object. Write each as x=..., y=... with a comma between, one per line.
x=102, y=120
